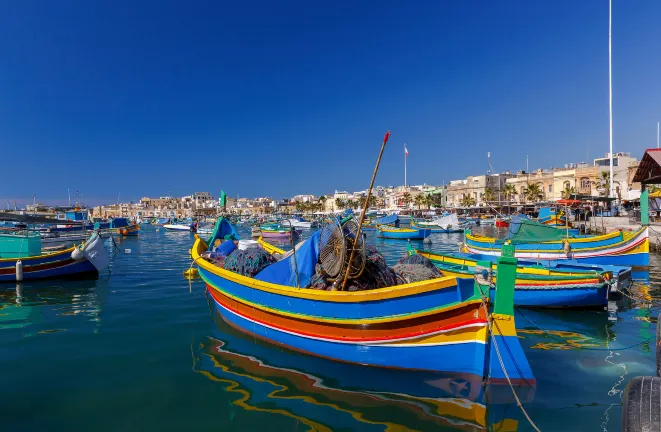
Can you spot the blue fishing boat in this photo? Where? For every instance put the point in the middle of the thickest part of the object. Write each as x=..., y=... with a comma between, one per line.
x=537, y=285
x=22, y=258
x=551, y=217
x=534, y=241
x=403, y=233
x=439, y=325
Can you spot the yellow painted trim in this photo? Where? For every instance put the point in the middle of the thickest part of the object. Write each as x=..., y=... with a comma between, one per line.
x=470, y=334
x=505, y=325
x=46, y=255
x=268, y=247
x=332, y=296
x=626, y=239
x=391, y=318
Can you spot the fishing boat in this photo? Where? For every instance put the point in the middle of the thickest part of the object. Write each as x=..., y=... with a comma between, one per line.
x=388, y=220
x=439, y=325
x=549, y=216
x=502, y=222
x=22, y=258
x=534, y=241
x=178, y=227
x=486, y=220
x=403, y=233
x=300, y=223
x=276, y=230
x=535, y=285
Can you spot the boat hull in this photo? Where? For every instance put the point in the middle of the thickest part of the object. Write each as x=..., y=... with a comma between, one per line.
x=50, y=266
x=612, y=249
x=404, y=234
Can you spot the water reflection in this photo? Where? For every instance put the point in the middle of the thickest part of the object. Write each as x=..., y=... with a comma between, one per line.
x=40, y=303
x=326, y=395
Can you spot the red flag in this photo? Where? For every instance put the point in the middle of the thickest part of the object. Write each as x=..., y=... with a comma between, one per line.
x=406, y=152
x=386, y=136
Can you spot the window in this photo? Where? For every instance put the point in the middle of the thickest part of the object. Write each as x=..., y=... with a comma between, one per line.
x=550, y=188
x=585, y=183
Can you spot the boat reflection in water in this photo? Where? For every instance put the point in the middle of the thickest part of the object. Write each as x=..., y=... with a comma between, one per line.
x=327, y=395
x=27, y=305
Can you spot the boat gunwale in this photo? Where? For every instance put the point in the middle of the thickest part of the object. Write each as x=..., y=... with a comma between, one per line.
x=379, y=294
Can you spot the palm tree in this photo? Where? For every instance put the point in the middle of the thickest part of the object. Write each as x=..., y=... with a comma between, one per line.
x=340, y=203
x=419, y=201
x=489, y=195
x=532, y=192
x=509, y=191
x=351, y=204
x=299, y=206
x=467, y=201
x=406, y=199
x=322, y=201
x=361, y=201
x=568, y=191
x=603, y=183
x=429, y=201
x=372, y=201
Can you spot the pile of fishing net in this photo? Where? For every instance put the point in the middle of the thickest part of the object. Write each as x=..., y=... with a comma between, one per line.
x=415, y=268
x=248, y=262
x=377, y=274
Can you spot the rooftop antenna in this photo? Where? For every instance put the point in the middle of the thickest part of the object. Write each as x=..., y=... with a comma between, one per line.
x=489, y=161
x=69, y=193
x=657, y=134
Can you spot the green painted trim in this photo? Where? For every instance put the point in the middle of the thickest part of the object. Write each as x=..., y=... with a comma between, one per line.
x=506, y=270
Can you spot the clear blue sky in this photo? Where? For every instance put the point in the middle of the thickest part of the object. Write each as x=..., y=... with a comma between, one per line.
x=279, y=98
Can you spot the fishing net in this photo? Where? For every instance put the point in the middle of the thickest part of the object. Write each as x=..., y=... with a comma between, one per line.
x=415, y=268
x=376, y=274
x=248, y=262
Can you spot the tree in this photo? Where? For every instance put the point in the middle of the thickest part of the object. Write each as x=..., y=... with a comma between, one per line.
x=488, y=195
x=467, y=201
x=372, y=201
x=429, y=201
x=361, y=201
x=299, y=206
x=509, y=191
x=406, y=199
x=532, y=192
x=340, y=203
x=568, y=192
x=603, y=183
x=351, y=204
x=419, y=201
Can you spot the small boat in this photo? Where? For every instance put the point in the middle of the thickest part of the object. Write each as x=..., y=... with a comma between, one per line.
x=129, y=230
x=178, y=227
x=439, y=325
x=486, y=220
x=299, y=223
x=502, y=223
x=535, y=241
x=276, y=230
x=22, y=258
x=403, y=233
x=535, y=285
x=549, y=216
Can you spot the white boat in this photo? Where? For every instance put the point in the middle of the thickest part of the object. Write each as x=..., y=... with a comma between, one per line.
x=299, y=223
x=177, y=227
x=450, y=222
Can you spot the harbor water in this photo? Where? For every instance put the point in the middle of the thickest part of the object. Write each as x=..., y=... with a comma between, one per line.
x=141, y=348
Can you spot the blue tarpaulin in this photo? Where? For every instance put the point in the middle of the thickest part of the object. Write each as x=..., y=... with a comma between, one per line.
x=284, y=272
x=387, y=220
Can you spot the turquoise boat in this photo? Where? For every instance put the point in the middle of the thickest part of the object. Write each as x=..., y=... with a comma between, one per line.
x=534, y=241
x=403, y=233
x=22, y=258
x=440, y=325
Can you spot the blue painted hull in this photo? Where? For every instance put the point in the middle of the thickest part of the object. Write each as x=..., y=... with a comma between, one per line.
x=461, y=357
x=421, y=234
x=560, y=298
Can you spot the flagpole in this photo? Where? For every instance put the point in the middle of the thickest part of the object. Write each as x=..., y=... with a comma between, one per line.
x=404, y=166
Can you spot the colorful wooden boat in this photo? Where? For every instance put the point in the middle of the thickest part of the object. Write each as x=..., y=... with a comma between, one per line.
x=21, y=259
x=440, y=325
x=403, y=233
x=616, y=248
x=536, y=286
x=129, y=231
x=549, y=216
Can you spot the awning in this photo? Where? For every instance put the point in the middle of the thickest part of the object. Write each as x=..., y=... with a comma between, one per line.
x=649, y=168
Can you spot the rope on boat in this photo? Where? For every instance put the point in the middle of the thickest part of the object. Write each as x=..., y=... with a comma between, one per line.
x=585, y=348
x=502, y=365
